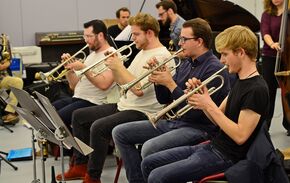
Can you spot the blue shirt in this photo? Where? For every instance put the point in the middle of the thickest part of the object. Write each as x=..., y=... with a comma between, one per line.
x=201, y=68
x=175, y=30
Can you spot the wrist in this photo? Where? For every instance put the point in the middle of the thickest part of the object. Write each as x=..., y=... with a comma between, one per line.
x=272, y=44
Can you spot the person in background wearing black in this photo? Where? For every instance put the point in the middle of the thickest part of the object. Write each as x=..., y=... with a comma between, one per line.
x=122, y=15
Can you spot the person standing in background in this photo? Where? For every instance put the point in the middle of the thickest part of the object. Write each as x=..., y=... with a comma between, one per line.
x=122, y=15
x=270, y=30
x=167, y=13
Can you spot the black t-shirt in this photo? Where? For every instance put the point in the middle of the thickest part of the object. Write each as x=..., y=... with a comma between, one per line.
x=114, y=31
x=251, y=93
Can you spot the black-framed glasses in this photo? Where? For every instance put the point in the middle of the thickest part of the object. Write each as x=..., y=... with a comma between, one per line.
x=184, y=39
x=161, y=14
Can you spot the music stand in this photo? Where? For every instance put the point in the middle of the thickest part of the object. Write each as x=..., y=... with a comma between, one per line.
x=4, y=98
x=43, y=133
x=61, y=134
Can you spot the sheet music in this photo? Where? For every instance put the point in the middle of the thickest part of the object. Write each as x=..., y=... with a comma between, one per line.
x=125, y=35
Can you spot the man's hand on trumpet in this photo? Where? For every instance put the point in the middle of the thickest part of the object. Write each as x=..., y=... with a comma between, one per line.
x=163, y=77
x=114, y=62
x=73, y=63
x=201, y=99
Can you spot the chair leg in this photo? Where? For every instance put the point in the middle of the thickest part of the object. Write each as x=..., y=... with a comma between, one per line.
x=119, y=166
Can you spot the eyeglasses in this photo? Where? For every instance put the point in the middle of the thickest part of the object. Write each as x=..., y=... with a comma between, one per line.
x=161, y=14
x=90, y=36
x=184, y=39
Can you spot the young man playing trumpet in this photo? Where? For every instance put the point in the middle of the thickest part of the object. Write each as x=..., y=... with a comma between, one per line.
x=193, y=127
x=240, y=116
x=89, y=90
x=93, y=125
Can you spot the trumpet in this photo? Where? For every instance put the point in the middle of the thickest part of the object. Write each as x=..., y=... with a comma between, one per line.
x=124, y=58
x=153, y=118
x=55, y=74
x=126, y=87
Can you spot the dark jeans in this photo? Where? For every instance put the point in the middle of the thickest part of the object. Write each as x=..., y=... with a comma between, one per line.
x=184, y=164
x=94, y=125
x=66, y=106
x=168, y=134
x=268, y=65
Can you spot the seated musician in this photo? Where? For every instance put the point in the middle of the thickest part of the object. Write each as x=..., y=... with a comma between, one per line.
x=193, y=127
x=93, y=125
x=6, y=82
x=90, y=89
x=122, y=15
x=240, y=116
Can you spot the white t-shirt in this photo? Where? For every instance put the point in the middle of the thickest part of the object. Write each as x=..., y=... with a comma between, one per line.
x=85, y=89
x=147, y=102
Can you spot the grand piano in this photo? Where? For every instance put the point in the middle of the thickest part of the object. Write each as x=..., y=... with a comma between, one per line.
x=220, y=14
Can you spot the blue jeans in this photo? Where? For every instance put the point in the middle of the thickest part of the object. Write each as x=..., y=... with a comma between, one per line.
x=66, y=106
x=183, y=164
x=166, y=136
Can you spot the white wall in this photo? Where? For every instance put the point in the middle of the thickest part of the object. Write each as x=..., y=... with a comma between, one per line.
x=20, y=19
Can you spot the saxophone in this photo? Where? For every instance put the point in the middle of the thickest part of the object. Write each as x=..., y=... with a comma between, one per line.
x=5, y=50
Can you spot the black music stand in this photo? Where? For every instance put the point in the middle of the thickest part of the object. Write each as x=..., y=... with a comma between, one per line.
x=4, y=99
x=61, y=135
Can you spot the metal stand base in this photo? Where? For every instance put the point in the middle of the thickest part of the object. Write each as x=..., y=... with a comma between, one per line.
x=4, y=159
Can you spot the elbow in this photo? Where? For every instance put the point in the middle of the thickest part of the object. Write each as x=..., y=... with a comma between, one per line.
x=104, y=87
x=240, y=140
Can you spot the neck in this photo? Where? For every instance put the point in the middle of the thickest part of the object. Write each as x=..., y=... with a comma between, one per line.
x=199, y=52
x=154, y=43
x=173, y=18
x=249, y=70
x=104, y=47
x=120, y=26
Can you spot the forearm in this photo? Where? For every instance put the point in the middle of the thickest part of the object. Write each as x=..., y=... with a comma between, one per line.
x=72, y=79
x=102, y=81
x=268, y=40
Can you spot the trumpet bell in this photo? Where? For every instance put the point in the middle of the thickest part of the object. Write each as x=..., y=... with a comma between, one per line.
x=152, y=119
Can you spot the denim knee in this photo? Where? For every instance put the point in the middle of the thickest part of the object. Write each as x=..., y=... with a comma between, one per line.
x=148, y=148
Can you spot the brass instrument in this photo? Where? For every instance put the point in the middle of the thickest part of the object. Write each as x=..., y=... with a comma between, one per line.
x=55, y=74
x=5, y=50
x=124, y=58
x=126, y=87
x=153, y=118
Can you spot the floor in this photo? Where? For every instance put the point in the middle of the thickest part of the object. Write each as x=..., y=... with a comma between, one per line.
x=21, y=138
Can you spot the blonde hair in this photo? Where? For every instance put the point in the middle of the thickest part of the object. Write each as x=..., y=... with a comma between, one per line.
x=237, y=37
x=145, y=22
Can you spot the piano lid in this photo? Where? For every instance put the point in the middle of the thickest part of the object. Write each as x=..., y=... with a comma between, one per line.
x=220, y=14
